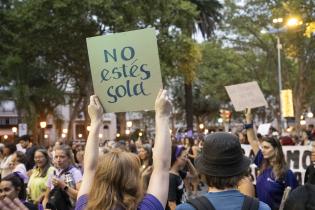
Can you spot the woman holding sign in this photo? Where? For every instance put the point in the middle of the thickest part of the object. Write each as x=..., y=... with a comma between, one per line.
x=274, y=174
x=113, y=181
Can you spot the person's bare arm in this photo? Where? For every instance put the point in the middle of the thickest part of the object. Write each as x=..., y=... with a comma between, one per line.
x=159, y=182
x=45, y=200
x=195, y=150
x=71, y=191
x=246, y=187
x=172, y=205
x=191, y=169
x=91, y=150
x=251, y=135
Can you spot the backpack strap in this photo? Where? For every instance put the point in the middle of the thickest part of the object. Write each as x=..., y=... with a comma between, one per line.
x=63, y=171
x=250, y=203
x=201, y=203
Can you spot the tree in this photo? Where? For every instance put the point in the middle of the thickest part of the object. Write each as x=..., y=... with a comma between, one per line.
x=300, y=50
x=208, y=16
x=245, y=23
x=221, y=67
x=28, y=79
x=46, y=43
x=187, y=63
x=175, y=20
x=183, y=54
x=51, y=34
x=205, y=106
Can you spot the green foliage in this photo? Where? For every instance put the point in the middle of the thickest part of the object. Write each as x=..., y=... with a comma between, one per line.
x=182, y=58
x=37, y=54
x=220, y=67
x=43, y=48
x=242, y=29
x=208, y=16
x=204, y=106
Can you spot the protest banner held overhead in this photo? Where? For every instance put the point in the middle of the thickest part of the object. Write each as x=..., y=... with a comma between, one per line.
x=246, y=95
x=125, y=70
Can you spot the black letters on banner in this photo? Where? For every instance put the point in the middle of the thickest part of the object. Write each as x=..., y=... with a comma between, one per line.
x=293, y=156
x=127, y=87
x=306, y=159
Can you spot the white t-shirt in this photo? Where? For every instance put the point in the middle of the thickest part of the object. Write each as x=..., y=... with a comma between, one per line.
x=5, y=166
x=20, y=148
x=21, y=169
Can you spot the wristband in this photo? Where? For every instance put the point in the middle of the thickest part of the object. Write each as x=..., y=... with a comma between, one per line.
x=248, y=126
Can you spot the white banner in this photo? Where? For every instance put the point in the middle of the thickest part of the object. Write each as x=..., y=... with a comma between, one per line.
x=297, y=157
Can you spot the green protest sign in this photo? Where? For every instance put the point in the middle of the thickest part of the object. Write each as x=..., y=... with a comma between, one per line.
x=125, y=70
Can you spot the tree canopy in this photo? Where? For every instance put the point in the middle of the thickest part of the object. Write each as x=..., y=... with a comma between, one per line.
x=44, y=62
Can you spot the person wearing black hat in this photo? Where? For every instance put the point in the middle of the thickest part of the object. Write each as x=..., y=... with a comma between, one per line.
x=223, y=165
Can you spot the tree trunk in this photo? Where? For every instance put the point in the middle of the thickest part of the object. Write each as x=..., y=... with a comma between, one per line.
x=189, y=105
x=198, y=122
x=73, y=114
x=121, y=121
x=87, y=120
x=300, y=93
x=36, y=132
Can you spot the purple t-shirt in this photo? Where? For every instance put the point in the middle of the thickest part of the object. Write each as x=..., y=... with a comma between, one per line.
x=149, y=202
x=270, y=190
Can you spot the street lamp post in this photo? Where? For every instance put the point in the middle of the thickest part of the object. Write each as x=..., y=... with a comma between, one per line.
x=279, y=47
x=291, y=22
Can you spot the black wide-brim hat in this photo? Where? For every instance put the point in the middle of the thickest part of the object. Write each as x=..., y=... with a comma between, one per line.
x=222, y=156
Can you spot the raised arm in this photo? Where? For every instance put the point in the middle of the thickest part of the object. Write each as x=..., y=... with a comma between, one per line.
x=91, y=150
x=251, y=135
x=191, y=169
x=159, y=181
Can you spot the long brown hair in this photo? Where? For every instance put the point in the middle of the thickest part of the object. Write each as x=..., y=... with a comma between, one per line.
x=279, y=167
x=43, y=171
x=117, y=182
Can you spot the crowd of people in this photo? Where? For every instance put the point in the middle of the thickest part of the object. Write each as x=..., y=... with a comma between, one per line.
x=186, y=174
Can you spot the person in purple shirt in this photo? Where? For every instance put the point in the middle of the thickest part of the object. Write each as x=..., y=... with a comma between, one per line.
x=113, y=181
x=274, y=174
